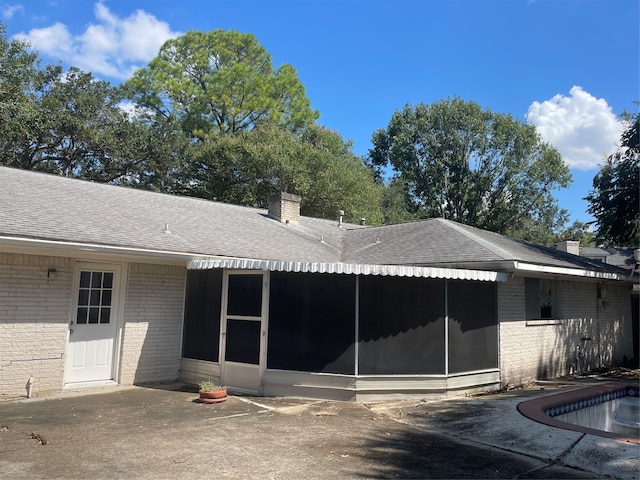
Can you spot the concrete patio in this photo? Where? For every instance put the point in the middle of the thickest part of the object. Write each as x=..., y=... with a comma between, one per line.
x=162, y=431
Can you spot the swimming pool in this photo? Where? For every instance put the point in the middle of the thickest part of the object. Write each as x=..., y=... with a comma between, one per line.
x=589, y=410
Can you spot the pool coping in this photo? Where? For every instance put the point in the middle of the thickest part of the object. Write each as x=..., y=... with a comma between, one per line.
x=535, y=409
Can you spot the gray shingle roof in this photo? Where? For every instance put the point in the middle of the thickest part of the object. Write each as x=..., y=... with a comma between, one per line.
x=40, y=206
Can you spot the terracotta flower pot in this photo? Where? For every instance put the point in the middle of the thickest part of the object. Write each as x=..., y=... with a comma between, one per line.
x=218, y=394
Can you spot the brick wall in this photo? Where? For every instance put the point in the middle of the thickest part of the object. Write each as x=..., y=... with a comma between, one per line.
x=34, y=319
x=532, y=350
x=152, y=337
x=34, y=316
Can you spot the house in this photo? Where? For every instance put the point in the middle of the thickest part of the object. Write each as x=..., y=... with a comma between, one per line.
x=102, y=284
x=626, y=258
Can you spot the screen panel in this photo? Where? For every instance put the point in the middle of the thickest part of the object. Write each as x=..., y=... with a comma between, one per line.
x=312, y=322
x=401, y=326
x=473, y=326
x=202, y=315
x=243, y=341
x=245, y=295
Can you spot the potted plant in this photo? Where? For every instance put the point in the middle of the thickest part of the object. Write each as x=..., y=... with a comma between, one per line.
x=212, y=393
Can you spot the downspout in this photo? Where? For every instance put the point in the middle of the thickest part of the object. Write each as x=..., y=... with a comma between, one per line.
x=599, y=302
x=30, y=386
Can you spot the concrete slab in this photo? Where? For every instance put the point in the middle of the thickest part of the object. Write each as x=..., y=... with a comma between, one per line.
x=163, y=432
x=490, y=420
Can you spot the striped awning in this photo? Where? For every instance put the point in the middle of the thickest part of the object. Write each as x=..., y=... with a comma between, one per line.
x=347, y=269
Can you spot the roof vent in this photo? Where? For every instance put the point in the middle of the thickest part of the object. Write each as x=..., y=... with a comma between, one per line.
x=285, y=207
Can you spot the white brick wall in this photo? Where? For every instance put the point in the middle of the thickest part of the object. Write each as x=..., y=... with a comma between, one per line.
x=534, y=350
x=35, y=311
x=34, y=316
x=152, y=338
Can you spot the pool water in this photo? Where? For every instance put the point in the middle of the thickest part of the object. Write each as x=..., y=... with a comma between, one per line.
x=609, y=410
x=620, y=415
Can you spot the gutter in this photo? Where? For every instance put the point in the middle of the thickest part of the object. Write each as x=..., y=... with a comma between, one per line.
x=579, y=272
x=515, y=266
x=56, y=248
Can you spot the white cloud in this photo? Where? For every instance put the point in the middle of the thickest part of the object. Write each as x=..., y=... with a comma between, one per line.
x=582, y=128
x=8, y=11
x=114, y=46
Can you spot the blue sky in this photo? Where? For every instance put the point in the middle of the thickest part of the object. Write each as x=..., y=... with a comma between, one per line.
x=570, y=67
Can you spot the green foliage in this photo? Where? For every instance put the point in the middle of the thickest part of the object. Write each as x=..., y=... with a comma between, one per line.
x=210, y=386
x=397, y=206
x=580, y=231
x=314, y=163
x=22, y=81
x=475, y=167
x=220, y=82
x=614, y=200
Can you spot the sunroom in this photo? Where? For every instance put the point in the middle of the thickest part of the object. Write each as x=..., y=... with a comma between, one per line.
x=340, y=331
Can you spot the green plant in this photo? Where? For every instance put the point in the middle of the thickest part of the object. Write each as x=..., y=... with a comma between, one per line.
x=209, y=386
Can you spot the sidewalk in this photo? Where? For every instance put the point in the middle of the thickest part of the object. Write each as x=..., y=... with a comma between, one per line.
x=163, y=432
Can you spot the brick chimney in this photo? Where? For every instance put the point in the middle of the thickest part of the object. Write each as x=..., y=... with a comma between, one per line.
x=569, y=246
x=285, y=207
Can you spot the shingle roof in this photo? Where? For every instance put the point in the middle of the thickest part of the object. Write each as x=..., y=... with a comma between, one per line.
x=41, y=206
x=47, y=207
x=621, y=257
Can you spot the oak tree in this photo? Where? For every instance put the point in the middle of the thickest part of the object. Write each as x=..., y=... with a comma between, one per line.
x=475, y=167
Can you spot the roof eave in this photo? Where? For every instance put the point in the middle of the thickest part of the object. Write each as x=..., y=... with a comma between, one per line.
x=577, y=272
x=23, y=245
x=515, y=266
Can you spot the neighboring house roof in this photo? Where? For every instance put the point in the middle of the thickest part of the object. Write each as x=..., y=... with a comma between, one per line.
x=620, y=257
x=47, y=208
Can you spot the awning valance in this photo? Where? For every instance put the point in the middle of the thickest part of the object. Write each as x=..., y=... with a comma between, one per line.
x=347, y=269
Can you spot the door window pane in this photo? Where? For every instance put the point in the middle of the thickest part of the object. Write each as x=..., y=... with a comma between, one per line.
x=96, y=279
x=106, y=298
x=85, y=279
x=95, y=298
x=243, y=341
x=93, y=314
x=245, y=295
x=82, y=315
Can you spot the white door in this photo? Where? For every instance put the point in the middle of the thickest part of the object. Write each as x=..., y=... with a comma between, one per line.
x=244, y=330
x=93, y=324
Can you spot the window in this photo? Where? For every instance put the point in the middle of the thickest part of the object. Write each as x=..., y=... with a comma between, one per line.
x=94, y=297
x=540, y=298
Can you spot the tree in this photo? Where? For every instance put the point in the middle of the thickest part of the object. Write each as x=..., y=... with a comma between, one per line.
x=475, y=167
x=71, y=124
x=22, y=80
x=74, y=125
x=397, y=206
x=614, y=200
x=314, y=163
x=220, y=82
x=580, y=231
